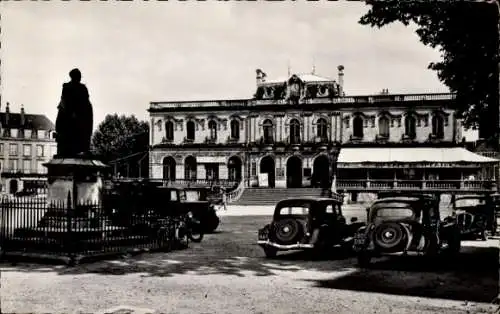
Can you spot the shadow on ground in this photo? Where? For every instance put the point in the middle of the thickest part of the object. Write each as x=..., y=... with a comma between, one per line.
x=230, y=251
x=473, y=276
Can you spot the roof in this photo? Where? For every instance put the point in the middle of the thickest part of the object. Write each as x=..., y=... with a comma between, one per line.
x=31, y=121
x=411, y=155
x=398, y=199
x=306, y=199
x=305, y=77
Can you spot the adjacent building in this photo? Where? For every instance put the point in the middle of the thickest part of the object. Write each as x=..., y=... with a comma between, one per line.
x=284, y=135
x=26, y=143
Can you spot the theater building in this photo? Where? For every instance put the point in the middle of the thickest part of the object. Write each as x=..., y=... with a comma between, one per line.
x=285, y=135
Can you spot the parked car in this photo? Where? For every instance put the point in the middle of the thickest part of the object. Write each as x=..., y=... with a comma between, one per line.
x=405, y=225
x=475, y=215
x=307, y=223
x=196, y=201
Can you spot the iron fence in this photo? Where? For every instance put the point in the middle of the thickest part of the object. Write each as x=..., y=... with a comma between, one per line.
x=33, y=226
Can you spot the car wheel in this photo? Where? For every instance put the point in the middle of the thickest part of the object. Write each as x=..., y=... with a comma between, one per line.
x=270, y=252
x=364, y=260
x=212, y=224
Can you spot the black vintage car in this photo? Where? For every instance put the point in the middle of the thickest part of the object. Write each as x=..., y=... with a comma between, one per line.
x=307, y=223
x=475, y=214
x=405, y=225
x=196, y=200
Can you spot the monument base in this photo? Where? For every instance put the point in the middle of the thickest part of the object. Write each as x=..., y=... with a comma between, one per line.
x=78, y=181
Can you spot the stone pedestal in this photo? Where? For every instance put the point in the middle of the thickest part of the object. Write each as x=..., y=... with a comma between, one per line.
x=79, y=180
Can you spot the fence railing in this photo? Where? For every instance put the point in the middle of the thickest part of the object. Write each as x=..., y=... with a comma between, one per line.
x=114, y=225
x=376, y=184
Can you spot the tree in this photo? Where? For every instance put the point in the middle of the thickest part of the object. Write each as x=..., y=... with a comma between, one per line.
x=122, y=137
x=466, y=34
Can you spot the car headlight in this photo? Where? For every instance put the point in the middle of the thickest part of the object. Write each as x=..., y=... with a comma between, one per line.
x=190, y=214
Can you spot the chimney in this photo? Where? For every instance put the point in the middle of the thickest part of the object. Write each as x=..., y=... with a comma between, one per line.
x=22, y=115
x=341, y=80
x=7, y=111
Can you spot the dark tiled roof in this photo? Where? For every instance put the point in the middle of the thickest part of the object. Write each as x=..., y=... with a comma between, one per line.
x=31, y=121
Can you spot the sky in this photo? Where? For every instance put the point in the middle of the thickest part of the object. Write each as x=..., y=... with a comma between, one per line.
x=131, y=53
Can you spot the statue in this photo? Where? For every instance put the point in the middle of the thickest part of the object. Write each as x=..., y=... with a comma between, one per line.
x=74, y=121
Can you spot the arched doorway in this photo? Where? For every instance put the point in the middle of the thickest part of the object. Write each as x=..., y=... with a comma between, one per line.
x=169, y=168
x=190, y=168
x=294, y=172
x=321, y=172
x=13, y=186
x=267, y=165
x=234, y=168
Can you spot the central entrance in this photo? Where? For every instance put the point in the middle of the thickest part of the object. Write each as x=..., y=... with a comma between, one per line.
x=294, y=172
x=321, y=172
x=267, y=165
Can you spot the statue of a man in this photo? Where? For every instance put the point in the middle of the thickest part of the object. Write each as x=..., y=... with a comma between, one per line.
x=74, y=121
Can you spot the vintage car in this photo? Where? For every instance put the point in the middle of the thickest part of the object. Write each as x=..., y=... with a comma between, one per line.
x=405, y=225
x=197, y=201
x=307, y=223
x=475, y=214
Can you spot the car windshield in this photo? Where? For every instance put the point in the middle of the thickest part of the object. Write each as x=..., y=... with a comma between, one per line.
x=466, y=202
x=393, y=210
x=294, y=210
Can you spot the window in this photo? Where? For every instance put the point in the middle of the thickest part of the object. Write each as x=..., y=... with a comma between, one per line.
x=267, y=127
x=169, y=131
x=383, y=126
x=26, y=150
x=212, y=171
x=322, y=129
x=13, y=165
x=46, y=134
x=438, y=126
x=410, y=126
x=34, y=133
x=1, y=148
x=13, y=149
x=1, y=165
x=357, y=127
x=294, y=131
x=20, y=133
x=212, y=126
x=254, y=169
x=235, y=129
x=39, y=151
x=26, y=166
x=190, y=166
x=190, y=130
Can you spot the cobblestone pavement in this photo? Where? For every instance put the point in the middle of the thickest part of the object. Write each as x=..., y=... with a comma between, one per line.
x=227, y=273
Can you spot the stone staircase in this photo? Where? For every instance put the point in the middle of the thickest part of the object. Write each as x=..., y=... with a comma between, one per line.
x=270, y=196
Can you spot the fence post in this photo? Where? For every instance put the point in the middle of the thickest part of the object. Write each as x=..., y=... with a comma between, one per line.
x=69, y=242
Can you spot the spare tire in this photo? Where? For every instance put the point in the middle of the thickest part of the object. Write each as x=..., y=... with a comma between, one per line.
x=465, y=220
x=390, y=237
x=287, y=231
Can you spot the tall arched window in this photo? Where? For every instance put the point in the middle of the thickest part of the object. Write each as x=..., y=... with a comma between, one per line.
x=383, y=126
x=294, y=131
x=357, y=127
x=438, y=126
x=212, y=126
x=235, y=129
x=190, y=168
x=190, y=130
x=411, y=126
x=267, y=127
x=169, y=131
x=322, y=129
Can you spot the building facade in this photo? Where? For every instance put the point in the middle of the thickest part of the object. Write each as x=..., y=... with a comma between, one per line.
x=26, y=143
x=284, y=135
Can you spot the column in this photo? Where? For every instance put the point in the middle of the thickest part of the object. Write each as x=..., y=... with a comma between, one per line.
x=179, y=172
x=223, y=172
x=333, y=128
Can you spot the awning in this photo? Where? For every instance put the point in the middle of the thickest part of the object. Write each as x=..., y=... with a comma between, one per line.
x=411, y=155
x=209, y=160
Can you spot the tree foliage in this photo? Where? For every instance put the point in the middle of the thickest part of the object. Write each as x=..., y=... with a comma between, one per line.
x=466, y=34
x=119, y=137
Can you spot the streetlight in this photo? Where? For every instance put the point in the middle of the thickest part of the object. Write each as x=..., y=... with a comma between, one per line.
x=333, y=155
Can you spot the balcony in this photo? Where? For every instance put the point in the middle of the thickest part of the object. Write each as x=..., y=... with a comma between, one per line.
x=373, y=185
